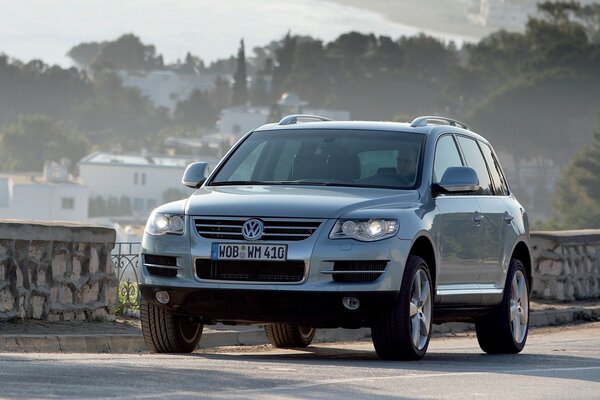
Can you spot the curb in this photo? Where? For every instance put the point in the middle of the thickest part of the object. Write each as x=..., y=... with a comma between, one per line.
x=251, y=336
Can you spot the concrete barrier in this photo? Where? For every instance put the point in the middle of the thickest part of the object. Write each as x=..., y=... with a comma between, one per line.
x=56, y=271
x=566, y=265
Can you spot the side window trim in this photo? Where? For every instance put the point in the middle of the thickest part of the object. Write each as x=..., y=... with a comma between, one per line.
x=482, y=156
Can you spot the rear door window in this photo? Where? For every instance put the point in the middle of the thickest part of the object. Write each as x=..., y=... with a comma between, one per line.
x=500, y=186
x=474, y=159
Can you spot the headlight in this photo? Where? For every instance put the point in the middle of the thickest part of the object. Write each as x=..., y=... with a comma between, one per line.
x=364, y=230
x=161, y=224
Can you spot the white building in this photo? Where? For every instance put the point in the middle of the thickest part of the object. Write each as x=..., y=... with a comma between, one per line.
x=142, y=179
x=240, y=120
x=51, y=196
x=166, y=88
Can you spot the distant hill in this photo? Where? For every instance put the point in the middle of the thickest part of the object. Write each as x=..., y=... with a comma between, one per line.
x=448, y=16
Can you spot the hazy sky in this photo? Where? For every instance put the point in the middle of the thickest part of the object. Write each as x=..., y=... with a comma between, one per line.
x=211, y=29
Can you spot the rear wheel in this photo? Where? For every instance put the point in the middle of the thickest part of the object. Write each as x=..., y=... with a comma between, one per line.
x=402, y=332
x=287, y=336
x=504, y=331
x=165, y=332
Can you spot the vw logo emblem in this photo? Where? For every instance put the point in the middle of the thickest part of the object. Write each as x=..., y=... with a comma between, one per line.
x=252, y=229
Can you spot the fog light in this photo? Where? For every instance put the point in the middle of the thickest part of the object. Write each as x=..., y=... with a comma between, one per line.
x=162, y=297
x=351, y=303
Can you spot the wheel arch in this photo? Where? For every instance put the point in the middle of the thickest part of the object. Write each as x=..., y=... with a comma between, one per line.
x=523, y=254
x=423, y=247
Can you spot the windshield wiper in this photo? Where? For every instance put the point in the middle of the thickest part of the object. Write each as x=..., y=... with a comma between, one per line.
x=309, y=183
x=239, y=183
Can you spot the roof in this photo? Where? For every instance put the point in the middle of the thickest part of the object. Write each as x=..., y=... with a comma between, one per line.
x=136, y=160
x=35, y=178
x=431, y=129
x=358, y=125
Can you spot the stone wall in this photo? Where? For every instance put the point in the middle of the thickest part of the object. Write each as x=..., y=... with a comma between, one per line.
x=53, y=271
x=566, y=265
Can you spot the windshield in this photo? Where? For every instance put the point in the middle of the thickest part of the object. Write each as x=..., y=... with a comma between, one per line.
x=325, y=157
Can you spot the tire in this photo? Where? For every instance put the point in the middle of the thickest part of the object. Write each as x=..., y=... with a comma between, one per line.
x=411, y=313
x=286, y=336
x=504, y=331
x=165, y=332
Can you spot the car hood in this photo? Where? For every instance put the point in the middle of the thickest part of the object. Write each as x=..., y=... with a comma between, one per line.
x=293, y=201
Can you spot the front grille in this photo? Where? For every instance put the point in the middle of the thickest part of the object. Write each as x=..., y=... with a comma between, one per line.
x=165, y=266
x=250, y=271
x=276, y=229
x=358, y=271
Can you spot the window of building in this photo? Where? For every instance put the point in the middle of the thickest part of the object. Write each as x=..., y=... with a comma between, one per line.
x=135, y=178
x=67, y=203
x=143, y=178
x=151, y=204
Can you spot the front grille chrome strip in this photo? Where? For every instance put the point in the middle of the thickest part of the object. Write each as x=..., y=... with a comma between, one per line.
x=332, y=272
x=275, y=229
x=161, y=266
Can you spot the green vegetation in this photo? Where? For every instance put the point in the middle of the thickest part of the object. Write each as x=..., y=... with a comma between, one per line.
x=534, y=94
x=577, y=201
x=127, y=297
x=34, y=139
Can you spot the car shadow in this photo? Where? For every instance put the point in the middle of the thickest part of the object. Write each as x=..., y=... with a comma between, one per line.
x=532, y=364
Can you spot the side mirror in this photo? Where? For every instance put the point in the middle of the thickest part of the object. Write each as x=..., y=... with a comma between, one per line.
x=193, y=176
x=457, y=180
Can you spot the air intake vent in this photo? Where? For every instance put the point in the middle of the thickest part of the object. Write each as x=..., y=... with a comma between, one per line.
x=165, y=266
x=275, y=229
x=168, y=261
x=358, y=271
x=165, y=272
x=250, y=271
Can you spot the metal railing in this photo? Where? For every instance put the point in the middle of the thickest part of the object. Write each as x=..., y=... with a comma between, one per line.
x=125, y=258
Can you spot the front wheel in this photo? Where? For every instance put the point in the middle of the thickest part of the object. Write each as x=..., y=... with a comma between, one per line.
x=289, y=336
x=504, y=331
x=166, y=332
x=402, y=332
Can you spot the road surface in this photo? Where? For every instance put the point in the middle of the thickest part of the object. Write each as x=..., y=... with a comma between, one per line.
x=556, y=363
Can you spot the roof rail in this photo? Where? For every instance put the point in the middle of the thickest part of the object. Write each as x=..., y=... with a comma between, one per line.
x=293, y=119
x=424, y=121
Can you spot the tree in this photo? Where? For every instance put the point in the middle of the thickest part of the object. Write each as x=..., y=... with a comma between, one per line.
x=197, y=110
x=116, y=115
x=84, y=53
x=35, y=139
x=577, y=200
x=589, y=15
x=127, y=52
x=240, y=80
x=285, y=62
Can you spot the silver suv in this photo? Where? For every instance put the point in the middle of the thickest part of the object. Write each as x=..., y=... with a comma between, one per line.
x=326, y=224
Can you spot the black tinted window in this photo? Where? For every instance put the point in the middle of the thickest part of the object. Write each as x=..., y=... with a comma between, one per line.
x=500, y=186
x=474, y=159
x=446, y=155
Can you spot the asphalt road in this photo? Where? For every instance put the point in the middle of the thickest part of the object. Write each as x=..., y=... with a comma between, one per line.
x=556, y=363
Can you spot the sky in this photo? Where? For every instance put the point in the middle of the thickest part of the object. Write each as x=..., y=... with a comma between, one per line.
x=210, y=29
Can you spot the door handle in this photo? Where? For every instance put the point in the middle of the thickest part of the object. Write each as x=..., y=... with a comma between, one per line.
x=477, y=217
x=507, y=217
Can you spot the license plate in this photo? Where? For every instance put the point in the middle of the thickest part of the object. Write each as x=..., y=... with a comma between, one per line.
x=258, y=252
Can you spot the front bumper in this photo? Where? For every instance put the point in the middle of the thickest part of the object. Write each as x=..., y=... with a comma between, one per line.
x=321, y=310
